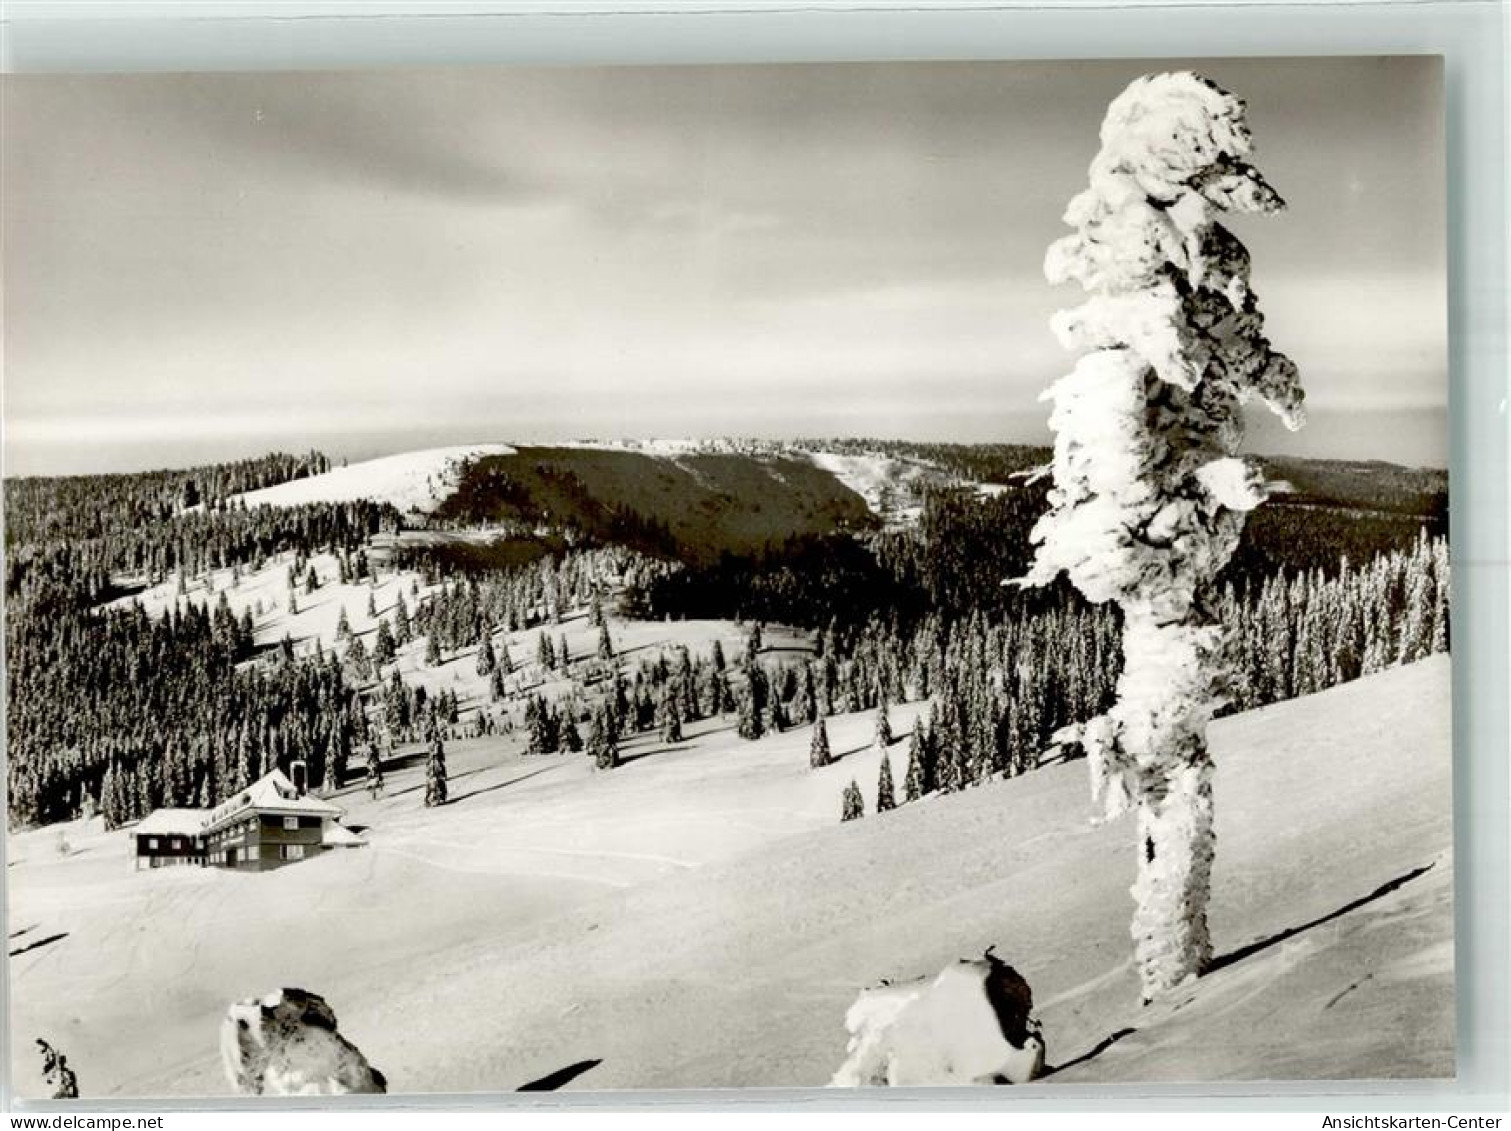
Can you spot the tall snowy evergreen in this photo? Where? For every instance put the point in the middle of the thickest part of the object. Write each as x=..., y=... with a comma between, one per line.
x=1149, y=494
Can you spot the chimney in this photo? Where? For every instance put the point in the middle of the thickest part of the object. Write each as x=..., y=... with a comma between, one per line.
x=299, y=775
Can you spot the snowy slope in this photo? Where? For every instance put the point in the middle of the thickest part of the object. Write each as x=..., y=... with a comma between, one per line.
x=313, y=625
x=411, y=481
x=699, y=916
x=888, y=485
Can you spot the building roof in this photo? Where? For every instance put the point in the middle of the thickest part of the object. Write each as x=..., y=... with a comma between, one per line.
x=271, y=793
x=339, y=836
x=172, y=822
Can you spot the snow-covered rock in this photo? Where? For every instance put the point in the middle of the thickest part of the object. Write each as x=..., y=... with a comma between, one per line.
x=971, y=1024
x=286, y=1044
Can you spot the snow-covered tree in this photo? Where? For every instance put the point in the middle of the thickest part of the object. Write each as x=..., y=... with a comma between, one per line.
x=913, y=783
x=384, y=648
x=818, y=750
x=435, y=772
x=374, y=771
x=885, y=796
x=752, y=721
x=671, y=718
x=602, y=744
x=1149, y=493
x=853, y=803
x=487, y=661
x=56, y=1073
x=571, y=737
x=883, y=724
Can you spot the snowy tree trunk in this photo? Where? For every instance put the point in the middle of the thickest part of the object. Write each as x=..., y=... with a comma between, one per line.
x=1149, y=494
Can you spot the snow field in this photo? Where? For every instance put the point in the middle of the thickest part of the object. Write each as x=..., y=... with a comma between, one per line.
x=699, y=917
x=411, y=481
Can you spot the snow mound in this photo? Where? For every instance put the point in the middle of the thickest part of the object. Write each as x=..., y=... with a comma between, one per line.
x=411, y=481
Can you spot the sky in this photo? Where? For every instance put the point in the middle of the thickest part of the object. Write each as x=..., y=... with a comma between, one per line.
x=208, y=266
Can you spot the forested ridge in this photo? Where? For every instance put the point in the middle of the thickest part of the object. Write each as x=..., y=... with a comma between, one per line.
x=109, y=706
x=115, y=709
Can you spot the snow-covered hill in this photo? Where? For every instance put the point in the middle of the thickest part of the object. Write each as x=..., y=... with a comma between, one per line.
x=411, y=481
x=700, y=917
x=313, y=626
x=418, y=482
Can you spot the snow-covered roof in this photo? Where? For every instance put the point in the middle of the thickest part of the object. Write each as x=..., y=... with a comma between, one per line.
x=339, y=836
x=172, y=822
x=271, y=793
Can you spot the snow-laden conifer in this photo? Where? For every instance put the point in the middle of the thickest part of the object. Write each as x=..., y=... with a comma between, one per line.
x=885, y=795
x=852, y=803
x=1149, y=492
x=818, y=749
x=435, y=772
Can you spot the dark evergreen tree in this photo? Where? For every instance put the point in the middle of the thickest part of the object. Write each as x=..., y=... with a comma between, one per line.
x=671, y=719
x=753, y=644
x=853, y=804
x=912, y=785
x=883, y=725
x=752, y=724
x=603, y=747
x=487, y=661
x=435, y=772
x=884, y=798
x=374, y=771
x=384, y=649
x=818, y=749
